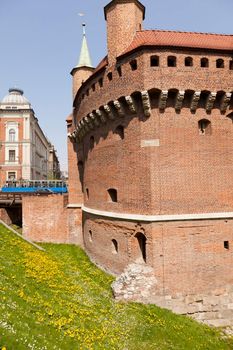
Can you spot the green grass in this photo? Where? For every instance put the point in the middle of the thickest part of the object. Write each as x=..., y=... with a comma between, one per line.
x=59, y=300
x=17, y=228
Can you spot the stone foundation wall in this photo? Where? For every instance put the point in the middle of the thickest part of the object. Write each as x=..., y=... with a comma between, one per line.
x=138, y=283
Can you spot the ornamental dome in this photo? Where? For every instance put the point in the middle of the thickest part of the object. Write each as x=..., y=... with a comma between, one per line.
x=15, y=100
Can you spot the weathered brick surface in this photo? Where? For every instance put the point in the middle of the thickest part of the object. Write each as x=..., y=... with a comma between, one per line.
x=123, y=20
x=146, y=77
x=185, y=172
x=79, y=76
x=181, y=171
x=74, y=183
x=47, y=219
x=187, y=257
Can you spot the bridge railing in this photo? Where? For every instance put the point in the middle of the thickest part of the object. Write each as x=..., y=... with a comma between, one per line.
x=33, y=186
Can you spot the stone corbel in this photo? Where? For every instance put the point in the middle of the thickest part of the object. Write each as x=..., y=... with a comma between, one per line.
x=210, y=101
x=101, y=116
x=118, y=107
x=131, y=104
x=163, y=99
x=146, y=103
x=82, y=133
x=84, y=125
x=108, y=111
x=225, y=101
x=94, y=119
x=195, y=100
x=70, y=136
x=179, y=100
x=89, y=122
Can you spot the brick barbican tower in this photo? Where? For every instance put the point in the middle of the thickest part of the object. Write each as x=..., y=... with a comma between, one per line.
x=151, y=158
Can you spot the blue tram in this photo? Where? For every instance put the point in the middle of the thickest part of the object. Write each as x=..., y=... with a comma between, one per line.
x=35, y=186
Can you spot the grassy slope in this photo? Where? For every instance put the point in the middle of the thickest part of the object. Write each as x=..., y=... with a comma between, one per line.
x=59, y=300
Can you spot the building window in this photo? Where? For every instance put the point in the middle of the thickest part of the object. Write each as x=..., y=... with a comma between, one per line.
x=141, y=245
x=171, y=61
x=90, y=236
x=11, y=176
x=11, y=135
x=12, y=156
x=154, y=61
x=101, y=82
x=92, y=142
x=119, y=71
x=226, y=245
x=231, y=65
x=120, y=131
x=114, y=246
x=112, y=195
x=188, y=61
x=204, y=126
x=204, y=62
x=87, y=193
x=219, y=63
x=109, y=75
x=133, y=64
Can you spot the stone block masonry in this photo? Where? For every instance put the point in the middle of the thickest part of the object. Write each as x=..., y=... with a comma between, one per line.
x=138, y=283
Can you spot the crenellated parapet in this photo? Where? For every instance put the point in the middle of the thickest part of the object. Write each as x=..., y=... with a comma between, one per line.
x=128, y=104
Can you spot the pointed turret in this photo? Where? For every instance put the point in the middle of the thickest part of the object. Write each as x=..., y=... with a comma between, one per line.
x=84, y=59
x=84, y=67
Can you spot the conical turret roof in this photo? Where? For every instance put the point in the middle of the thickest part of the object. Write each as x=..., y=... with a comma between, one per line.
x=84, y=58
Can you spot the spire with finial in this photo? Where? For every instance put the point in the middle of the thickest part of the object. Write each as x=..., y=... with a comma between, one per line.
x=84, y=58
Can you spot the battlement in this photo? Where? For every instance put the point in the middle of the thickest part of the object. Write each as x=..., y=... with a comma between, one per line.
x=160, y=99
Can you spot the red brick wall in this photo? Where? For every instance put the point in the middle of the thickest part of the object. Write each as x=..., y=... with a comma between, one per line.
x=185, y=173
x=190, y=256
x=75, y=185
x=187, y=257
x=123, y=20
x=146, y=77
x=46, y=219
x=79, y=76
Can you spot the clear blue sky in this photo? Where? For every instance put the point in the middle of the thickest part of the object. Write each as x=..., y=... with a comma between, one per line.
x=40, y=44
